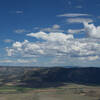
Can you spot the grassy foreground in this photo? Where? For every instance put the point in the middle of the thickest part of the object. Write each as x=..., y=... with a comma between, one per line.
x=67, y=92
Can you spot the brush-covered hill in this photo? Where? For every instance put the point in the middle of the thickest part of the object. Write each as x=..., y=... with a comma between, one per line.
x=62, y=75
x=48, y=77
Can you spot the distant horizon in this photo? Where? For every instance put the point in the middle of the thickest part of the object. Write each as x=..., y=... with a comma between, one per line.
x=51, y=66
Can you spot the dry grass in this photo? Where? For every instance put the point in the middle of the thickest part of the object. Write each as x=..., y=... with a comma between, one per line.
x=68, y=92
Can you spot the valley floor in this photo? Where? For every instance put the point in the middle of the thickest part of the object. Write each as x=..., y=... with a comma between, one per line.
x=67, y=92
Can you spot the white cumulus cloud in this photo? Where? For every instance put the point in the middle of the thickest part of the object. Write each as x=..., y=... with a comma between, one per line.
x=57, y=45
x=51, y=36
x=91, y=30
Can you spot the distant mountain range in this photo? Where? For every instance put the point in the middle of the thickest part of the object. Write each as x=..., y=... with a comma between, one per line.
x=48, y=77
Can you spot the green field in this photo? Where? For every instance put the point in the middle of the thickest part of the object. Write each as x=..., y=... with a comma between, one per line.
x=67, y=92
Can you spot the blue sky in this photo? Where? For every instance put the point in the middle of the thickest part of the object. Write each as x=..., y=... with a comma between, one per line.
x=50, y=33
